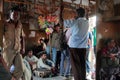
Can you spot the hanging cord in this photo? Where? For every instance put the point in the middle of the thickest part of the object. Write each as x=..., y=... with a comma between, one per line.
x=80, y=4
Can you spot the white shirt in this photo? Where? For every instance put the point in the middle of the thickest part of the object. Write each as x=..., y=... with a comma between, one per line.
x=42, y=64
x=79, y=31
x=31, y=59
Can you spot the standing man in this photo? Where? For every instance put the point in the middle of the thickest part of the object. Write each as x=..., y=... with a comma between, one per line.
x=55, y=44
x=77, y=43
x=13, y=42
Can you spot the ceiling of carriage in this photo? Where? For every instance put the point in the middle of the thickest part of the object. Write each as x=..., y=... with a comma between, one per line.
x=45, y=7
x=82, y=2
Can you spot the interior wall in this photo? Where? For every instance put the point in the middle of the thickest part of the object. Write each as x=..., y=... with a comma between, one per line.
x=108, y=25
x=68, y=14
x=107, y=30
x=31, y=41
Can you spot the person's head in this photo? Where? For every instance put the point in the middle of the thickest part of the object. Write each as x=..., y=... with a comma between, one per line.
x=57, y=27
x=43, y=55
x=30, y=53
x=40, y=41
x=80, y=12
x=15, y=13
x=111, y=43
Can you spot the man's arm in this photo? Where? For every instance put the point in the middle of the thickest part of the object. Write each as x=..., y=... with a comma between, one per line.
x=43, y=65
x=35, y=59
x=22, y=45
x=68, y=23
x=53, y=65
x=22, y=42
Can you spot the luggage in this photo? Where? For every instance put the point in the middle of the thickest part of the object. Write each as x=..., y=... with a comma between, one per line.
x=42, y=72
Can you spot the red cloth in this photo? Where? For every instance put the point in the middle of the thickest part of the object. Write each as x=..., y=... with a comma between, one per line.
x=104, y=51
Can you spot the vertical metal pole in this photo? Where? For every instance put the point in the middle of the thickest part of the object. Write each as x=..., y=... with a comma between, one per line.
x=80, y=3
x=1, y=22
x=61, y=12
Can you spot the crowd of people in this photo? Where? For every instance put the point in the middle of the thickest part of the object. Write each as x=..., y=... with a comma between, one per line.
x=71, y=45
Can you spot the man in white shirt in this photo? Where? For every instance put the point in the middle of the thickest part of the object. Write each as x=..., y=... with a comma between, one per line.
x=77, y=43
x=31, y=59
x=45, y=63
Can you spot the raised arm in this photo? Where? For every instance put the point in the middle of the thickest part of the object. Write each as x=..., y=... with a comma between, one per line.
x=53, y=65
x=68, y=23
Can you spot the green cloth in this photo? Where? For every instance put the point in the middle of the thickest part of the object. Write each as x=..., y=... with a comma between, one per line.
x=94, y=36
x=107, y=62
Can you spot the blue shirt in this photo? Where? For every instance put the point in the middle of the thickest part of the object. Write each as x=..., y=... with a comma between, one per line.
x=89, y=37
x=79, y=32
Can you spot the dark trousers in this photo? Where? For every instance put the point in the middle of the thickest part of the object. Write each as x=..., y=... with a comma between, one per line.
x=58, y=59
x=78, y=63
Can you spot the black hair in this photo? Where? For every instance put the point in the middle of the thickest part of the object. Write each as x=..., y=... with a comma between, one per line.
x=57, y=25
x=29, y=50
x=81, y=12
x=42, y=52
x=107, y=41
x=41, y=40
x=15, y=8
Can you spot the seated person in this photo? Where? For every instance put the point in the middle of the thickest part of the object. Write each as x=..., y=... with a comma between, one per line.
x=31, y=59
x=44, y=63
x=110, y=60
x=110, y=54
x=40, y=46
